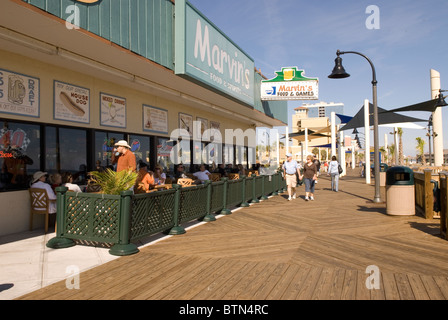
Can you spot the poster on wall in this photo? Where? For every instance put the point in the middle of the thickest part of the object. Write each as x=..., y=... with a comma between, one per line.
x=186, y=122
x=19, y=94
x=155, y=119
x=112, y=111
x=71, y=103
x=215, y=131
x=203, y=128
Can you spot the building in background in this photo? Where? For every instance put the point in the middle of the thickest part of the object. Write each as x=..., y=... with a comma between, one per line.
x=75, y=78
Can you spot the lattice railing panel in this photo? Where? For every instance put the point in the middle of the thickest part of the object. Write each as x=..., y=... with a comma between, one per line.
x=193, y=203
x=152, y=213
x=94, y=219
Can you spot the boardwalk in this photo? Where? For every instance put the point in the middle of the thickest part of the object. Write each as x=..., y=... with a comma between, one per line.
x=282, y=250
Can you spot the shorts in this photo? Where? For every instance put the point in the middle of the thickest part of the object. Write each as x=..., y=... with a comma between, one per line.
x=291, y=180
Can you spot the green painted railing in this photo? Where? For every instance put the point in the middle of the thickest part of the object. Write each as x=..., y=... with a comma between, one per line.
x=124, y=219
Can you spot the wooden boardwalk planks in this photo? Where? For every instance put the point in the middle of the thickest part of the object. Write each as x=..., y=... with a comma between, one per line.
x=283, y=250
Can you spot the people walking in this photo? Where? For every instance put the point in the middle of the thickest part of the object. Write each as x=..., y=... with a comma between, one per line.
x=310, y=177
x=333, y=171
x=290, y=170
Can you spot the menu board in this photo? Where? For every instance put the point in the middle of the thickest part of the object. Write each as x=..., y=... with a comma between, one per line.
x=155, y=119
x=71, y=103
x=112, y=111
x=19, y=94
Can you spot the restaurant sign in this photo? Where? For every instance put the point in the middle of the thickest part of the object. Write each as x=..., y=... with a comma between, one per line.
x=205, y=54
x=290, y=84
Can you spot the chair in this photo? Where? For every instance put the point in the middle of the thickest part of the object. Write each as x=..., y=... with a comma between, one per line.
x=214, y=177
x=40, y=204
x=234, y=176
x=93, y=187
x=185, y=182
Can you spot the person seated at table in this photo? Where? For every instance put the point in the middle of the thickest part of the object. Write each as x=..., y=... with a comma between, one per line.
x=202, y=174
x=159, y=175
x=222, y=170
x=180, y=172
x=145, y=180
x=241, y=170
x=39, y=182
x=67, y=181
x=55, y=180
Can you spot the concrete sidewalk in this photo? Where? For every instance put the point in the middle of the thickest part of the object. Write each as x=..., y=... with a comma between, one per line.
x=27, y=264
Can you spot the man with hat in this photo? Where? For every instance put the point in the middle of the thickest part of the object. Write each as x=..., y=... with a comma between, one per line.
x=38, y=182
x=290, y=169
x=123, y=157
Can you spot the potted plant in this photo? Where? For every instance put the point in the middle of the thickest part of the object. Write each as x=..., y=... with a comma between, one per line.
x=112, y=182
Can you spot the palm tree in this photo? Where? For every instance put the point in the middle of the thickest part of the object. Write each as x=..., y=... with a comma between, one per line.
x=392, y=150
x=400, y=146
x=421, y=149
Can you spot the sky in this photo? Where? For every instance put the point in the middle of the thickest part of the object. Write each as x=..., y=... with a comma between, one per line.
x=409, y=39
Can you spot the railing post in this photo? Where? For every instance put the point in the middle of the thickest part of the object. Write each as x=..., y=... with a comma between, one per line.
x=209, y=217
x=244, y=204
x=254, y=194
x=225, y=211
x=429, y=196
x=177, y=229
x=275, y=184
x=263, y=191
x=124, y=247
x=59, y=242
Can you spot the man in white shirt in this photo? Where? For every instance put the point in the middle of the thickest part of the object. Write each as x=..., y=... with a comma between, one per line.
x=203, y=174
x=290, y=169
x=39, y=179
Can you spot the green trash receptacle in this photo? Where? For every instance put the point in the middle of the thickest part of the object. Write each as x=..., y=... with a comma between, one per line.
x=400, y=197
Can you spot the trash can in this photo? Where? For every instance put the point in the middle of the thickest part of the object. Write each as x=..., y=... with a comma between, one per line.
x=383, y=168
x=400, y=197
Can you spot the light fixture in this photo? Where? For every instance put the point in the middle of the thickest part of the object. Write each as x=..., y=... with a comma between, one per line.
x=340, y=73
x=338, y=70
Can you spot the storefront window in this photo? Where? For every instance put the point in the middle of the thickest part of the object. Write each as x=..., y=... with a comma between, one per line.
x=19, y=154
x=164, y=147
x=104, y=145
x=228, y=154
x=140, y=146
x=66, y=151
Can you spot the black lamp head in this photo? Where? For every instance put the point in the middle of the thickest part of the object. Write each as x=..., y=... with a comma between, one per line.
x=338, y=71
x=441, y=101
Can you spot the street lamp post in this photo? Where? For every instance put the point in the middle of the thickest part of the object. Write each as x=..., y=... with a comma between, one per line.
x=339, y=73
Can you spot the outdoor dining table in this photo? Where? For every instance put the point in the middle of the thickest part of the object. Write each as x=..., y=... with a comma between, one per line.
x=163, y=187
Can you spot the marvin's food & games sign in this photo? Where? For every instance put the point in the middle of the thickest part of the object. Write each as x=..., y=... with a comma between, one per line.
x=290, y=84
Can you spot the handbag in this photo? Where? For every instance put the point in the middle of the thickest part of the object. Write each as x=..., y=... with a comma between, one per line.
x=340, y=169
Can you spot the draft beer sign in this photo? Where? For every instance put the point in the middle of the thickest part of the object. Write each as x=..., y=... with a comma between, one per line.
x=290, y=84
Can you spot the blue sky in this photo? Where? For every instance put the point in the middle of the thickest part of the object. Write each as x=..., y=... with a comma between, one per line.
x=412, y=39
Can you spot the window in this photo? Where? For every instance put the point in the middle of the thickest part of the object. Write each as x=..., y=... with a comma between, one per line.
x=19, y=154
x=140, y=146
x=164, y=147
x=104, y=145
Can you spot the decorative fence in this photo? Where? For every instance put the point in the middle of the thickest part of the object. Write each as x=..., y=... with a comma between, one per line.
x=424, y=194
x=124, y=219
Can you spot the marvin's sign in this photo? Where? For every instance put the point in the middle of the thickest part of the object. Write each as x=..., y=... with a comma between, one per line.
x=290, y=84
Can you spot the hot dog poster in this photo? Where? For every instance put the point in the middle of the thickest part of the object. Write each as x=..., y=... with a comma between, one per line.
x=19, y=94
x=71, y=103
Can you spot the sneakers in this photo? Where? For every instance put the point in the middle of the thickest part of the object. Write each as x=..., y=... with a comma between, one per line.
x=294, y=196
x=289, y=198
x=307, y=199
x=312, y=198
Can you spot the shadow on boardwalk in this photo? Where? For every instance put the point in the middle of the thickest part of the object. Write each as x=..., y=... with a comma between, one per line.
x=283, y=250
